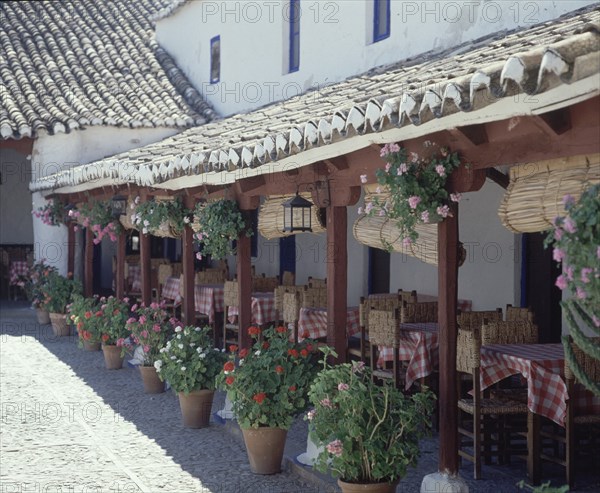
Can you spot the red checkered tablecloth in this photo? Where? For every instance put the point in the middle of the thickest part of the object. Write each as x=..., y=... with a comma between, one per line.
x=419, y=347
x=208, y=299
x=17, y=268
x=314, y=321
x=263, y=309
x=543, y=366
x=170, y=289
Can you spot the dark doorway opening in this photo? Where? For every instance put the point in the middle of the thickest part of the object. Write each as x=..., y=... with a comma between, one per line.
x=379, y=271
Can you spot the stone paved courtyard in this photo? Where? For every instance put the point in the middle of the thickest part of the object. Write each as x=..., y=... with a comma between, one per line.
x=70, y=425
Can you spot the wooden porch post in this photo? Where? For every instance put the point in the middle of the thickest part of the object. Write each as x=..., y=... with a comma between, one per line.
x=145, y=264
x=447, y=301
x=88, y=289
x=188, y=308
x=337, y=279
x=244, y=277
x=71, y=247
x=120, y=267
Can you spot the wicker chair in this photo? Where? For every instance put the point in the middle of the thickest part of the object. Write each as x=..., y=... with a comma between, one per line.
x=313, y=297
x=263, y=284
x=483, y=412
x=278, y=294
x=384, y=330
x=419, y=312
x=291, y=308
x=165, y=271
x=511, y=332
x=515, y=313
x=579, y=427
x=467, y=320
x=216, y=276
x=314, y=282
x=288, y=278
x=230, y=298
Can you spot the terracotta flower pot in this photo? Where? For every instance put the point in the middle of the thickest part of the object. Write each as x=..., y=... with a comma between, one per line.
x=196, y=407
x=265, y=449
x=91, y=345
x=43, y=317
x=59, y=324
x=152, y=384
x=367, y=487
x=112, y=357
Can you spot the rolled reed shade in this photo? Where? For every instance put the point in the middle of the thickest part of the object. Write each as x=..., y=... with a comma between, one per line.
x=270, y=217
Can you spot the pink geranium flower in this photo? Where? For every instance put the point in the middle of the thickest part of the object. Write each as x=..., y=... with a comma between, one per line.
x=414, y=201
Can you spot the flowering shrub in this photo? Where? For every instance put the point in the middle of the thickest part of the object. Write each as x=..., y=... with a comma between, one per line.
x=84, y=313
x=189, y=361
x=576, y=241
x=220, y=223
x=98, y=216
x=34, y=280
x=114, y=315
x=54, y=213
x=370, y=432
x=58, y=291
x=162, y=215
x=269, y=385
x=149, y=327
x=416, y=187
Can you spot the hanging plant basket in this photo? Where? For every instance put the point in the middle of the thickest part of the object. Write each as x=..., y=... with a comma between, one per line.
x=162, y=217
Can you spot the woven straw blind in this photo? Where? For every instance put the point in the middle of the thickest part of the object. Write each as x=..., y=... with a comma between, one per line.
x=380, y=231
x=534, y=196
x=270, y=217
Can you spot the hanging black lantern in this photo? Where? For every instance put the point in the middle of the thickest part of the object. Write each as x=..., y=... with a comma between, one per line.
x=118, y=206
x=297, y=215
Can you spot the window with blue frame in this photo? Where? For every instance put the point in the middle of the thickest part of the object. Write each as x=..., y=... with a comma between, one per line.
x=381, y=20
x=294, y=64
x=215, y=59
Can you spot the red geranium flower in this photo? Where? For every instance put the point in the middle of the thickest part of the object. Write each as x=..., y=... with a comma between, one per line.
x=280, y=329
x=265, y=345
x=233, y=348
x=292, y=388
x=293, y=352
x=229, y=380
x=279, y=369
x=105, y=337
x=87, y=335
x=254, y=331
x=243, y=353
x=88, y=314
x=98, y=313
x=304, y=353
x=305, y=334
x=229, y=366
x=260, y=397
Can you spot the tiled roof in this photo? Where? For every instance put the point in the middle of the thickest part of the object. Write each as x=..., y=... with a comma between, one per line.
x=67, y=65
x=403, y=97
x=169, y=9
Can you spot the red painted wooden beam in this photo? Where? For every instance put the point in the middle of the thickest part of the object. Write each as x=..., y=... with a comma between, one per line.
x=120, y=267
x=189, y=308
x=88, y=288
x=447, y=301
x=244, y=277
x=337, y=279
x=71, y=247
x=145, y=268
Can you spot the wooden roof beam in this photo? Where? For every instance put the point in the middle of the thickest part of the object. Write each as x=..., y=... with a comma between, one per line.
x=555, y=122
x=497, y=177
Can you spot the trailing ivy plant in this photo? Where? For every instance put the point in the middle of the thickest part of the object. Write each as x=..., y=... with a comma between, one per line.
x=220, y=222
x=155, y=215
x=576, y=241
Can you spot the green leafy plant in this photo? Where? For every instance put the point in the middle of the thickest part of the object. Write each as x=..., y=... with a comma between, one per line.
x=54, y=213
x=97, y=215
x=161, y=215
x=220, y=222
x=84, y=313
x=413, y=187
x=370, y=432
x=33, y=280
x=58, y=292
x=576, y=241
x=543, y=488
x=189, y=361
x=113, y=320
x=150, y=327
x=269, y=384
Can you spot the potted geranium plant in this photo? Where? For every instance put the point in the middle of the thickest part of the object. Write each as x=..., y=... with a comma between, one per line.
x=149, y=328
x=576, y=241
x=267, y=387
x=370, y=433
x=190, y=363
x=58, y=291
x=33, y=281
x=413, y=187
x=219, y=223
x=83, y=312
x=113, y=332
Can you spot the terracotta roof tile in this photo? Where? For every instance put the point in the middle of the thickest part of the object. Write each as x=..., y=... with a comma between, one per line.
x=67, y=65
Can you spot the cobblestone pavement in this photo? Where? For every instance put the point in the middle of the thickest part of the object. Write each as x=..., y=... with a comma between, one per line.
x=70, y=425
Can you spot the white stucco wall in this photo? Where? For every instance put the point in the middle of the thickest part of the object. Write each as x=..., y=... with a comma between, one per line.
x=52, y=153
x=491, y=273
x=16, y=225
x=335, y=40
